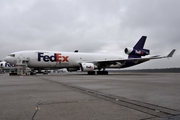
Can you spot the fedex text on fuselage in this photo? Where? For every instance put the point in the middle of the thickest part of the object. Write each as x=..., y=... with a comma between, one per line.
x=57, y=57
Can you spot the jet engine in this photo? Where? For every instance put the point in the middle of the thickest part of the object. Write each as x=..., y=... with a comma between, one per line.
x=87, y=67
x=131, y=51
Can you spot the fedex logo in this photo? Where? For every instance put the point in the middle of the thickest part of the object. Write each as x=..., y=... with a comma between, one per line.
x=142, y=52
x=89, y=67
x=139, y=51
x=57, y=57
x=9, y=65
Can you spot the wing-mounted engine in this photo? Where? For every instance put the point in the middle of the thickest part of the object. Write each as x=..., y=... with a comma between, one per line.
x=142, y=52
x=87, y=67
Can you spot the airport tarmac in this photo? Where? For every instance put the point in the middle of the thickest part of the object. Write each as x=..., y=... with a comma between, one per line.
x=77, y=96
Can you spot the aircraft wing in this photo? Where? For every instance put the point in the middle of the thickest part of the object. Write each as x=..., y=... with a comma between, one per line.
x=135, y=59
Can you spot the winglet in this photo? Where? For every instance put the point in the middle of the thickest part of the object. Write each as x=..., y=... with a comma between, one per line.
x=171, y=53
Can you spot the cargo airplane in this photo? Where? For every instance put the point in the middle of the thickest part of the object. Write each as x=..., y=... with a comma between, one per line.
x=91, y=63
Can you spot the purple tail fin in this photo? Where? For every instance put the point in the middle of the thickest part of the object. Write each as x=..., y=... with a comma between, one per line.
x=139, y=46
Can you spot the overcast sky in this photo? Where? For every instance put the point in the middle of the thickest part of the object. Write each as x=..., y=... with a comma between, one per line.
x=99, y=26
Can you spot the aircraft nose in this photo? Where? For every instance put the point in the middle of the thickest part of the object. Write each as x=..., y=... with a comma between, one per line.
x=9, y=59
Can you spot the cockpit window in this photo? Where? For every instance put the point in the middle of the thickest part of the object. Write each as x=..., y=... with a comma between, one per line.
x=12, y=55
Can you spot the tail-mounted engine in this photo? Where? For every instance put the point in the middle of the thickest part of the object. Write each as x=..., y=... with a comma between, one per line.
x=131, y=51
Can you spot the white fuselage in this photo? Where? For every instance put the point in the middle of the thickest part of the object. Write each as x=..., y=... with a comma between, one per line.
x=55, y=59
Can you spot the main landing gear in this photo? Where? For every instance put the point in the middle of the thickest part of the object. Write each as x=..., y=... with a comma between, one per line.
x=102, y=72
x=91, y=72
x=98, y=72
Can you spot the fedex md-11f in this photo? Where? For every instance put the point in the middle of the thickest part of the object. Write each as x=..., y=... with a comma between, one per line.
x=91, y=63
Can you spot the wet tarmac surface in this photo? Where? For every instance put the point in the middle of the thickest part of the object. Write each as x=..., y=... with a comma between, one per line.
x=77, y=96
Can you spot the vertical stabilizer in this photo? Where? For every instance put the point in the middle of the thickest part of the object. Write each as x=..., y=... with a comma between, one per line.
x=140, y=44
x=138, y=47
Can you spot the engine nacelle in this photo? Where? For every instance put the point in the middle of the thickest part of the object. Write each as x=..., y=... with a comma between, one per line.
x=128, y=50
x=87, y=67
x=131, y=51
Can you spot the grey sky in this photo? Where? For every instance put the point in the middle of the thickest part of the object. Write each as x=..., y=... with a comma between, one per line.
x=103, y=26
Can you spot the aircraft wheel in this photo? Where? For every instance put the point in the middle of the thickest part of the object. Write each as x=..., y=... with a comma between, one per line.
x=91, y=72
x=102, y=72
